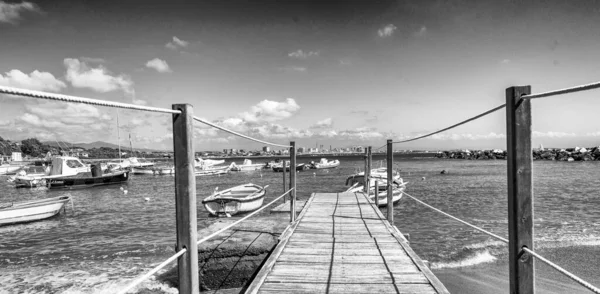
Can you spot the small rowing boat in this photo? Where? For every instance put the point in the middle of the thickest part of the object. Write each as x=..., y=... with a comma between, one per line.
x=242, y=198
x=28, y=211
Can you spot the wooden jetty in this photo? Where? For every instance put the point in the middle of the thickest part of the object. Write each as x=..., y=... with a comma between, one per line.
x=342, y=243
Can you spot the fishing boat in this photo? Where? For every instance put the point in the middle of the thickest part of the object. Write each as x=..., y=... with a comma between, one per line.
x=397, y=192
x=242, y=198
x=247, y=166
x=377, y=174
x=299, y=167
x=28, y=211
x=154, y=170
x=324, y=163
x=69, y=173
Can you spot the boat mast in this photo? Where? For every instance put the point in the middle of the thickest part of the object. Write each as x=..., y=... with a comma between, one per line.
x=130, y=144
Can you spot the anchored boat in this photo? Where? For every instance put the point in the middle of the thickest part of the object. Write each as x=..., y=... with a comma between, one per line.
x=377, y=174
x=29, y=177
x=324, y=163
x=242, y=198
x=279, y=168
x=28, y=211
x=7, y=169
x=397, y=192
x=69, y=173
x=247, y=166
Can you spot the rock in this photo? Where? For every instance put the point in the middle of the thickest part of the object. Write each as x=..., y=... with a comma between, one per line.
x=570, y=159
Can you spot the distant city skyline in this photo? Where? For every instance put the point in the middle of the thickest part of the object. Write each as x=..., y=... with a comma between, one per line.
x=331, y=73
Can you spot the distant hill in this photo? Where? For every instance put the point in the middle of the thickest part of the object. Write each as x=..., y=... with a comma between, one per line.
x=97, y=144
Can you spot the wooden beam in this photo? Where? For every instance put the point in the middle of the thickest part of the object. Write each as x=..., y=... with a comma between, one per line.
x=390, y=196
x=368, y=170
x=377, y=194
x=185, y=198
x=293, y=181
x=366, y=173
x=520, y=190
x=285, y=188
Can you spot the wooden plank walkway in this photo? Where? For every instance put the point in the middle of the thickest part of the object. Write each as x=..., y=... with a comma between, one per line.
x=341, y=243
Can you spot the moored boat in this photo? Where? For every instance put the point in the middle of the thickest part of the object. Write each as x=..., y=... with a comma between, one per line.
x=27, y=211
x=324, y=163
x=8, y=169
x=242, y=198
x=247, y=166
x=154, y=170
x=377, y=174
x=70, y=172
x=397, y=192
x=30, y=177
x=211, y=172
x=299, y=167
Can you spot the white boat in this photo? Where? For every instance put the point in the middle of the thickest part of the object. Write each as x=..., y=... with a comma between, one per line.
x=324, y=163
x=61, y=166
x=131, y=162
x=28, y=211
x=247, y=166
x=206, y=163
x=154, y=170
x=242, y=198
x=377, y=174
x=7, y=169
x=30, y=177
x=211, y=172
x=397, y=192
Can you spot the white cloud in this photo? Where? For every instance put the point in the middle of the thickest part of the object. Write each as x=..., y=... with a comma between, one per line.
x=301, y=54
x=270, y=111
x=177, y=44
x=551, y=134
x=159, y=65
x=387, y=31
x=456, y=137
x=421, y=32
x=139, y=102
x=11, y=12
x=36, y=80
x=294, y=68
x=361, y=134
x=326, y=123
x=99, y=79
x=505, y=61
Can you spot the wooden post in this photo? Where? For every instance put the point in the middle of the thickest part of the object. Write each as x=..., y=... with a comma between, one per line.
x=284, y=176
x=368, y=170
x=377, y=193
x=185, y=198
x=520, y=190
x=293, y=181
x=366, y=173
x=390, y=193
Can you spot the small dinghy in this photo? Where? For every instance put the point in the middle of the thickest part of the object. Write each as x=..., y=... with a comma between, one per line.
x=242, y=198
x=28, y=211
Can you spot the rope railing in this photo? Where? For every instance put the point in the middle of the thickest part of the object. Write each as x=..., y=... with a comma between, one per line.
x=238, y=134
x=182, y=251
x=459, y=220
x=152, y=272
x=563, y=91
x=563, y=271
x=541, y=258
x=75, y=99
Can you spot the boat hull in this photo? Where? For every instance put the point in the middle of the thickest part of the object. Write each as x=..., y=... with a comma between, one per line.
x=222, y=204
x=32, y=211
x=299, y=167
x=9, y=169
x=74, y=182
x=250, y=167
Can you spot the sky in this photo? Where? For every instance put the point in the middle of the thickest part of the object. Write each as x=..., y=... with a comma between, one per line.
x=332, y=73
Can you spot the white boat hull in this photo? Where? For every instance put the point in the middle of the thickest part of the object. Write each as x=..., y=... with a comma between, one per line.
x=243, y=198
x=9, y=169
x=250, y=167
x=32, y=211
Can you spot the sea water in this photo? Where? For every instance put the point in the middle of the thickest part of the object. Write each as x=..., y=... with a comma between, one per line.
x=112, y=237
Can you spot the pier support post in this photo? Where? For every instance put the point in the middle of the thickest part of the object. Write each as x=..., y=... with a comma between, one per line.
x=377, y=193
x=520, y=190
x=366, y=173
x=390, y=193
x=285, y=188
x=185, y=198
x=293, y=181
x=368, y=170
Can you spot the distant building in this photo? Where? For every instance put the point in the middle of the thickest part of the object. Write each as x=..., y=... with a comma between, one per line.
x=301, y=149
x=266, y=149
x=16, y=156
x=313, y=150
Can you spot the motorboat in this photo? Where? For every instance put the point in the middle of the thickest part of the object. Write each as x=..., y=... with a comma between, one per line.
x=206, y=163
x=30, y=177
x=28, y=211
x=247, y=166
x=242, y=198
x=398, y=188
x=69, y=172
x=377, y=174
x=130, y=162
x=211, y=172
x=324, y=163
x=154, y=170
x=299, y=167
x=8, y=169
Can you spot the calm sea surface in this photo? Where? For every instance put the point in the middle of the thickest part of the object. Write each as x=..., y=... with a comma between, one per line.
x=111, y=237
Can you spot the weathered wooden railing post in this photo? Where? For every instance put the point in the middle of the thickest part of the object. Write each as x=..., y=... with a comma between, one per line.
x=185, y=198
x=390, y=179
x=520, y=190
x=377, y=193
x=293, y=181
x=368, y=170
x=366, y=173
x=285, y=188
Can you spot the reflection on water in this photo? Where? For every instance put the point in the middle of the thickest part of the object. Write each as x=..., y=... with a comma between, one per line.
x=111, y=237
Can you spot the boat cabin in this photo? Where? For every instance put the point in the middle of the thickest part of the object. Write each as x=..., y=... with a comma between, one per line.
x=67, y=166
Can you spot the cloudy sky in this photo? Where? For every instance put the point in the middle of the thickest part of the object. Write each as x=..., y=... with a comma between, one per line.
x=338, y=73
